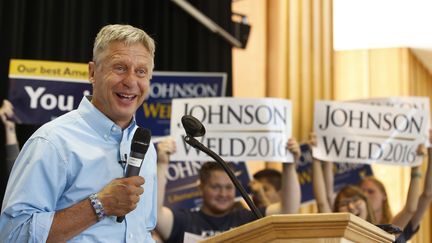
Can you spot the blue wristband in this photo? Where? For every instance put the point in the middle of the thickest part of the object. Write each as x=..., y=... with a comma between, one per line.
x=97, y=206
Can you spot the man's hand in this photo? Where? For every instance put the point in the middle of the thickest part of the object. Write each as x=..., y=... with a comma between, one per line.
x=165, y=148
x=312, y=140
x=256, y=186
x=421, y=150
x=121, y=195
x=294, y=148
x=7, y=114
x=258, y=192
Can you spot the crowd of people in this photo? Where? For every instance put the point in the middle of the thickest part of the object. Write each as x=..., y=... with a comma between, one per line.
x=217, y=212
x=67, y=184
x=369, y=200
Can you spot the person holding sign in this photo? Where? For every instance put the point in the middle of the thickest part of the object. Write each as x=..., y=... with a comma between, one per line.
x=408, y=218
x=217, y=213
x=422, y=204
x=349, y=199
x=375, y=191
x=67, y=183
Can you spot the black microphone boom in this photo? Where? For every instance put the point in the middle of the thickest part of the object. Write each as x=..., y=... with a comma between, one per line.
x=139, y=146
x=194, y=128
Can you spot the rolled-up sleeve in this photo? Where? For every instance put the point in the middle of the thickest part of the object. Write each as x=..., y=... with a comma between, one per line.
x=36, y=182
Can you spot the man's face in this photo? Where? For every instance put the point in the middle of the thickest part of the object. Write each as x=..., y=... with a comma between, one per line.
x=121, y=81
x=218, y=194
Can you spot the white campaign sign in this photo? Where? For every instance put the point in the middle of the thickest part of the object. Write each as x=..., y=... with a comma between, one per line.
x=413, y=102
x=363, y=133
x=237, y=129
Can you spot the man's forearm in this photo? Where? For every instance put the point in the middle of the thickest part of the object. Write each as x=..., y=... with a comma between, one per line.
x=319, y=188
x=291, y=192
x=71, y=221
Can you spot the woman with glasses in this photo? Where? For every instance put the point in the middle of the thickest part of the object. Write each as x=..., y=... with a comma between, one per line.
x=352, y=200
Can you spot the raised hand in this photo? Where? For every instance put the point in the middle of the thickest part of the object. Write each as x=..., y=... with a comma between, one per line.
x=312, y=139
x=294, y=147
x=165, y=148
x=6, y=114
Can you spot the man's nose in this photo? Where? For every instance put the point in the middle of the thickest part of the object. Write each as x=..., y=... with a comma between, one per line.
x=129, y=78
x=224, y=191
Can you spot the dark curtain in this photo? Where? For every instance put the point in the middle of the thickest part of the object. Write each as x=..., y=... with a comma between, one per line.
x=64, y=30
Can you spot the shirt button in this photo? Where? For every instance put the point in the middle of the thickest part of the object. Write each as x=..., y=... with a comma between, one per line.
x=113, y=129
x=131, y=235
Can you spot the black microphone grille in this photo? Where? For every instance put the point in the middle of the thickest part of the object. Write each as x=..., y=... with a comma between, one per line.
x=193, y=126
x=141, y=139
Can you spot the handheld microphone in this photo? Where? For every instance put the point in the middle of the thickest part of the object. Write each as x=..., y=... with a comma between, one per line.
x=139, y=146
x=194, y=128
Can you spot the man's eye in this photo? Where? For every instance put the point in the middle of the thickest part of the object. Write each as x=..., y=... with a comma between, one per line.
x=141, y=73
x=120, y=68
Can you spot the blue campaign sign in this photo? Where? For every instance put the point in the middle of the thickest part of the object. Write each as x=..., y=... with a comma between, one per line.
x=39, y=101
x=165, y=86
x=344, y=174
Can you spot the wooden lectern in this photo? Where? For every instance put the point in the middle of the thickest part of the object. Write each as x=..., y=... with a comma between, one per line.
x=305, y=228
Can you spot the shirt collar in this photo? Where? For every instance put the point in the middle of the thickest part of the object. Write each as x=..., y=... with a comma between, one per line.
x=104, y=126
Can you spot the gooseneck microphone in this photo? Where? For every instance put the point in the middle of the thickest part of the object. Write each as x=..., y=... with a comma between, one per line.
x=194, y=128
x=139, y=146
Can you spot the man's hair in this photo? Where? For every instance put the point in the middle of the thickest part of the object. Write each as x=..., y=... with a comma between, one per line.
x=273, y=176
x=208, y=167
x=124, y=33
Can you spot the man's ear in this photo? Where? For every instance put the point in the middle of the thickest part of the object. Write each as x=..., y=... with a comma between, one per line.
x=91, y=70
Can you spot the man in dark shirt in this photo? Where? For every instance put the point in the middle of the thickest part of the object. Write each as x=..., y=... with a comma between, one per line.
x=217, y=213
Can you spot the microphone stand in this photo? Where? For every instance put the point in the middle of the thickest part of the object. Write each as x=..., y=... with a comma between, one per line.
x=196, y=144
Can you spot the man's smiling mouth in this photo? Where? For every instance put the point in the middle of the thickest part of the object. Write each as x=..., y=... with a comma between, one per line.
x=126, y=96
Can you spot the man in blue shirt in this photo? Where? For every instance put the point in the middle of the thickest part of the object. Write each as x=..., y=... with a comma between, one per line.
x=66, y=183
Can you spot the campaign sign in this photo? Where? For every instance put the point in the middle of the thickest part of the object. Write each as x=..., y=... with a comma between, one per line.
x=362, y=133
x=410, y=102
x=237, y=129
x=42, y=90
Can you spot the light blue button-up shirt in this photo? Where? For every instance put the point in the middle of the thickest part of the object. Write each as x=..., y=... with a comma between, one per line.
x=64, y=162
